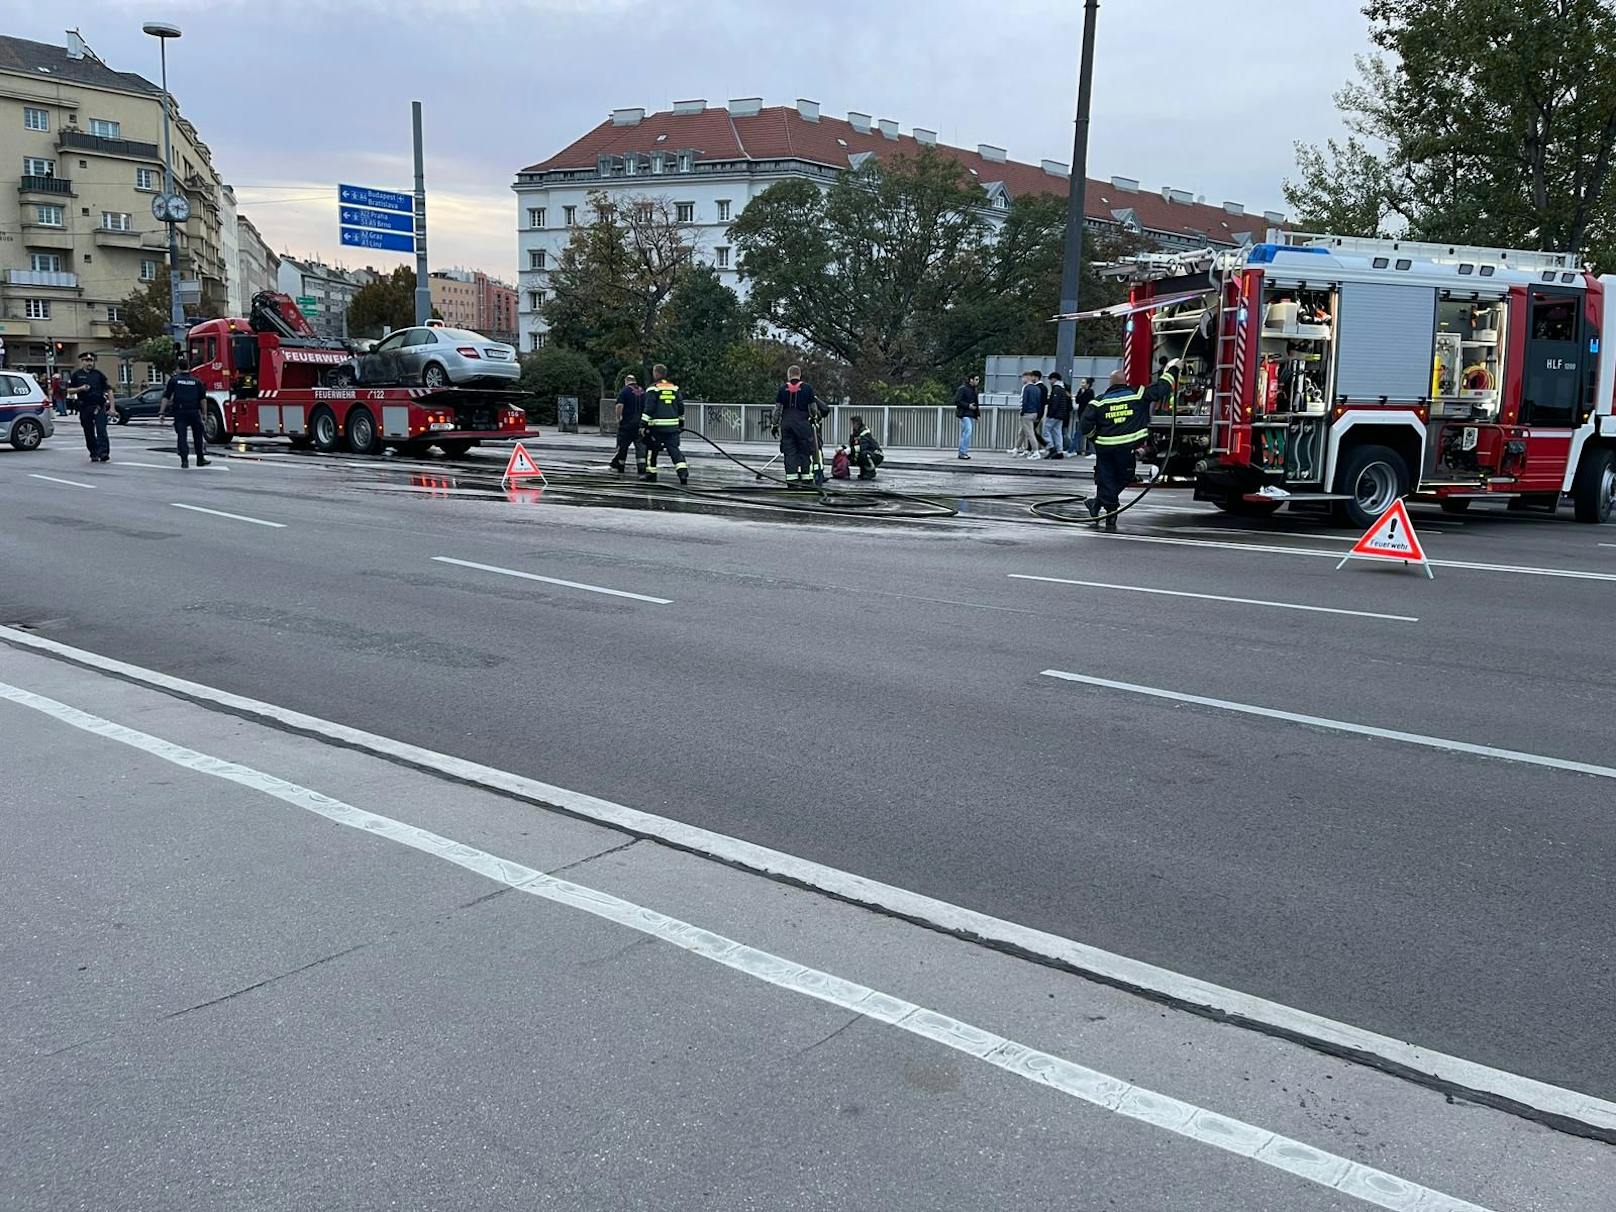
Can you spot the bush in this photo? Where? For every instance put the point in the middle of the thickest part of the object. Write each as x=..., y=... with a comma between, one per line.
x=549, y=373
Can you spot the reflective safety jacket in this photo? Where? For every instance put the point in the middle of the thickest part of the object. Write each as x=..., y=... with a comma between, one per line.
x=1121, y=417
x=863, y=442
x=664, y=407
x=796, y=402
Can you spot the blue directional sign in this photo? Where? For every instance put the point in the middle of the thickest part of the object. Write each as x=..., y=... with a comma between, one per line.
x=376, y=199
x=390, y=241
x=376, y=220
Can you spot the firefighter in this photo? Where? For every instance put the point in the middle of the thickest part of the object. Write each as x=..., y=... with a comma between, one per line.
x=629, y=403
x=797, y=413
x=186, y=393
x=1119, y=421
x=864, y=450
x=661, y=419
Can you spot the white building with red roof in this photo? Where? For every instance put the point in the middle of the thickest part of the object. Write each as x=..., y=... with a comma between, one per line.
x=711, y=161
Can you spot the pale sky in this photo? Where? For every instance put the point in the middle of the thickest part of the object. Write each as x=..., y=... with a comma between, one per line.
x=294, y=96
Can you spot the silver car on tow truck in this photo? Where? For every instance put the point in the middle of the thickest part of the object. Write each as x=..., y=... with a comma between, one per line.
x=432, y=356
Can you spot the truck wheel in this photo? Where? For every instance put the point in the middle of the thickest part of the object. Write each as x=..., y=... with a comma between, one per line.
x=457, y=448
x=213, y=426
x=27, y=434
x=1371, y=478
x=362, y=432
x=434, y=376
x=323, y=428
x=1594, y=489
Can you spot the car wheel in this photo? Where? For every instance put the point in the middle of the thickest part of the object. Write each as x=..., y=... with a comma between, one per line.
x=343, y=377
x=362, y=437
x=123, y=416
x=1371, y=478
x=1593, y=492
x=434, y=376
x=213, y=426
x=323, y=429
x=27, y=434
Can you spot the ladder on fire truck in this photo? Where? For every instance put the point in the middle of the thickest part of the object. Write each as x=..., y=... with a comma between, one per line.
x=1229, y=365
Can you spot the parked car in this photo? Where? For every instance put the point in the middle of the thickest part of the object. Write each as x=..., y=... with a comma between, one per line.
x=26, y=417
x=432, y=356
x=145, y=404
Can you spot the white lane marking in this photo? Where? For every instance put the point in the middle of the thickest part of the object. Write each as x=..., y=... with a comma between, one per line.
x=1315, y=721
x=1113, y=1094
x=1575, y=574
x=234, y=517
x=1608, y=544
x=152, y=466
x=533, y=576
x=1254, y=534
x=1217, y=597
x=1510, y=1090
x=55, y=480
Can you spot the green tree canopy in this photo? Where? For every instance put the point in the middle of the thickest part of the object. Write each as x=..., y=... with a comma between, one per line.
x=162, y=352
x=1480, y=121
x=702, y=322
x=556, y=371
x=145, y=311
x=384, y=304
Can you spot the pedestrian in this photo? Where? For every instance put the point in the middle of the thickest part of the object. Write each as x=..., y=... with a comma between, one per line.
x=58, y=394
x=2, y=353
x=187, y=393
x=967, y=407
x=864, y=450
x=1120, y=420
x=1057, y=416
x=1032, y=404
x=1076, y=441
x=661, y=419
x=796, y=411
x=630, y=403
x=88, y=388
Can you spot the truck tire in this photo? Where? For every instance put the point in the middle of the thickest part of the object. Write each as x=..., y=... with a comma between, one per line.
x=213, y=426
x=323, y=429
x=435, y=376
x=362, y=436
x=1372, y=477
x=1593, y=490
x=27, y=434
x=456, y=448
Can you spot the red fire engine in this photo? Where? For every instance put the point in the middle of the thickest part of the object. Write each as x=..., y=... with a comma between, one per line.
x=1345, y=373
x=272, y=374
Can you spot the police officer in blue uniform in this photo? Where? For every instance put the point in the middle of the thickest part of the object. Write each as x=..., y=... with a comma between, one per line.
x=186, y=393
x=88, y=388
x=1119, y=421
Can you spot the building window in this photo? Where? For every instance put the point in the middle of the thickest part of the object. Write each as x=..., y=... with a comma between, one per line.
x=116, y=220
x=126, y=372
x=684, y=212
x=537, y=339
x=49, y=216
x=535, y=300
x=536, y=258
x=687, y=161
x=535, y=216
x=148, y=271
x=145, y=178
x=569, y=215
x=721, y=257
x=35, y=119
x=35, y=166
x=104, y=128
x=49, y=263
x=631, y=165
x=115, y=312
x=723, y=210
x=36, y=309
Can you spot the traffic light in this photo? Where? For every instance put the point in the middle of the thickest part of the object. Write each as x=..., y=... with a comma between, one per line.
x=61, y=348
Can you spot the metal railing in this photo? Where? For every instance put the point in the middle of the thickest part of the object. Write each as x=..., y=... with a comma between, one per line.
x=916, y=427
x=33, y=184
x=41, y=277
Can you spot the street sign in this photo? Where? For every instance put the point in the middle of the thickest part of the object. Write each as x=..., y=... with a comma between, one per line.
x=1390, y=538
x=390, y=241
x=377, y=220
x=376, y=199
x=308, y=305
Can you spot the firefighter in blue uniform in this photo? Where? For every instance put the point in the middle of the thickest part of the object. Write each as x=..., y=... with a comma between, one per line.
x=629, y=402
x=186, y=393
x=797, y=414
x=1119, y=421
x=660, y=421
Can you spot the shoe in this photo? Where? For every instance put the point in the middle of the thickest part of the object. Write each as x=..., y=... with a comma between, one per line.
x=965, y=456
x=684, y=477
x=201, y=462
x=184, y=464
x=645, y=475
x=1111, y=524
x=617, y=466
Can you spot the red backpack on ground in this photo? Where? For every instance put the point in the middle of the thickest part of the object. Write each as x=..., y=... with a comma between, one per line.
x=841, y=467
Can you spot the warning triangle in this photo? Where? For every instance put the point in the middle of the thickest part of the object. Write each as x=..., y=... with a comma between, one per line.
x=521, y=465
x=1390, y=538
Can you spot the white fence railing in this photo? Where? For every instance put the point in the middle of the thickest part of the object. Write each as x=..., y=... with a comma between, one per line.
x=915, y=426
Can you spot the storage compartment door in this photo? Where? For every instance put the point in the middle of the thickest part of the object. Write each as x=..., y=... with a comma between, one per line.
x=1386, y=336
x=396, y=420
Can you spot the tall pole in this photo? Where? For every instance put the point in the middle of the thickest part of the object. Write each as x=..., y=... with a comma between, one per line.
x=423, y=289
x=1076, y=201
x=176, y=313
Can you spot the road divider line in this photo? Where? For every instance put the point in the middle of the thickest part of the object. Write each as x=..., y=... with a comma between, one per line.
x=533, y=576
x=1559, y=1107
x=151, y=466
x=1316, y=721
x=34, y=475
x=1217, y=597
x=234, y=517
x=1113, y=1094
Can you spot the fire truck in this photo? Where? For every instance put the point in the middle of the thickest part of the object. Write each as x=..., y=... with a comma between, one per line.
x=1342, y=373
x=271, y=374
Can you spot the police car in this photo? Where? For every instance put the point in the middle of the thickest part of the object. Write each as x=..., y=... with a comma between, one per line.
x=26, y=418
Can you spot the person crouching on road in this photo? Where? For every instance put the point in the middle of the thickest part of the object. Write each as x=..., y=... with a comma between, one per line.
x=88, y=388
x=661, y=419
x=185, y=391
x=864, y=450
x=1120, y=420
x=629, y=403
x=797, y=411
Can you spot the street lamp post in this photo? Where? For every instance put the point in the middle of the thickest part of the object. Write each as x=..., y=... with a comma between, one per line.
x=163, y=31
x=1076, y=201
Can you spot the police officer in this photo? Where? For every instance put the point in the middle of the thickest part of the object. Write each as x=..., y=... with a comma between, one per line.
x=187, y=393
x=661, y=417
x=629, y=403
x=797, y=411
x=1120, y=420
x=89, y=389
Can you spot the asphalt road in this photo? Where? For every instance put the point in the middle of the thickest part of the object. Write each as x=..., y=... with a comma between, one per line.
x=871, y=695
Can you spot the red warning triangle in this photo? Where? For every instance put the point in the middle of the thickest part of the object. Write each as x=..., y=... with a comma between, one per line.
x=521, y=464
x=1391, y=537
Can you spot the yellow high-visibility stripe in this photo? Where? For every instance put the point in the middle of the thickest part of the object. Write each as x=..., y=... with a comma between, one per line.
x=1123, y=439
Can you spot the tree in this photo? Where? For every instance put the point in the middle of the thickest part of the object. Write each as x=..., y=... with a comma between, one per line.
x=1480, y=121
x=144, y=311
x=162, y=352
x=557, y=371
x=701, y=324
x=383, y=304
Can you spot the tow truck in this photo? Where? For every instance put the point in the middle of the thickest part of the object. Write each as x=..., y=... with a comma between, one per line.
x=1344, y=373
x=270, y=374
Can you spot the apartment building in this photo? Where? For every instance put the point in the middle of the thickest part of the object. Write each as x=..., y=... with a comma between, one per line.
x=257, y=266
x=711, y=161
x=454, y=297
x=329, y=288
x=77, y=235
x=469, y=298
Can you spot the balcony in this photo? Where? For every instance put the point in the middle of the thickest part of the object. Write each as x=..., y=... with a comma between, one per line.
x=59, y=279
x=46, y=235
x=109, y=237
x=127, y=148
x=54, y=186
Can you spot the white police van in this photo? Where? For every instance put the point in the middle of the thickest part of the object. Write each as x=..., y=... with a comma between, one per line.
x=26, y=418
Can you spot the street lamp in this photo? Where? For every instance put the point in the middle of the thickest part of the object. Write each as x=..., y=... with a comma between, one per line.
x=172, y=207
x=1076, y=199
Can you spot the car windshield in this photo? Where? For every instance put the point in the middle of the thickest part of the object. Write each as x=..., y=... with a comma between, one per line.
x=463, y=334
